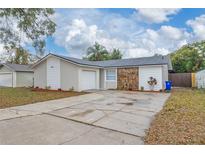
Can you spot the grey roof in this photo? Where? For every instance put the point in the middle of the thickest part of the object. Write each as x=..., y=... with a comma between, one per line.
x=18, y=67
x=154, y=60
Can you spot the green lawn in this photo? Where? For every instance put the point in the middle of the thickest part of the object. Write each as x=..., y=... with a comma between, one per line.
x=20, y=96
x=182, y=120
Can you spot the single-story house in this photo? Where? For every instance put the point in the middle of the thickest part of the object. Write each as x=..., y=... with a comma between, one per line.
x=66, y=73
x=16, y=75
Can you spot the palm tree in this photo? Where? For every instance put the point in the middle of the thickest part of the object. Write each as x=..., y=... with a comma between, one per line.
x=97, y=52
x=116, y=54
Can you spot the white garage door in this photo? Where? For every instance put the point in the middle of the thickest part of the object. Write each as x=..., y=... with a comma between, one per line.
x=6, y=79
x=88, y=80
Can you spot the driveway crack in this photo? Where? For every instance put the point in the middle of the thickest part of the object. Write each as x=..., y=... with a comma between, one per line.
x=74, y=138
x=91, y=124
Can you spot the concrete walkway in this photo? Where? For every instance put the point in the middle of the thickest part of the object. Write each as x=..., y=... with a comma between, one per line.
x=104, y=117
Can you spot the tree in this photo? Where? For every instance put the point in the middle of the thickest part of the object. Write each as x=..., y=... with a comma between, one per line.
x=18, y=56
x=21, y=56
x=115, y=54
x=32, y=24
x=189, y=58
x=97, y=52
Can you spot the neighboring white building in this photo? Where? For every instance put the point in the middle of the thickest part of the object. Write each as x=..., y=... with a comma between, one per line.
x=66, y=73
x=16, y=75
x=200, y=79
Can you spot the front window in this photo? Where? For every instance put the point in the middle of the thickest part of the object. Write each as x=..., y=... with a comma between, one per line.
x=111, y=75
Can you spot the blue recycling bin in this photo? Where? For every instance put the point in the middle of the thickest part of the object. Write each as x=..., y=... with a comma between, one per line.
x=168, y=85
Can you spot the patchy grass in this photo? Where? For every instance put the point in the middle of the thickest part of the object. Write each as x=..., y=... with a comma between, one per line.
x=181, y=121
x=20, y=96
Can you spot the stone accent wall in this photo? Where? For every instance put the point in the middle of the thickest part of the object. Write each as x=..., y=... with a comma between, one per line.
x=127, y=78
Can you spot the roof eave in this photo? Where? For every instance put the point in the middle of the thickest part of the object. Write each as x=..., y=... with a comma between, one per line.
x=93, y=66
x=10, y=68
x=24, y=71
x=50, y=54
x=134, y=65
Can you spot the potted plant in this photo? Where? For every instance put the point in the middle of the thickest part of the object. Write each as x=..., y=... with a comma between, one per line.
x=152, y=82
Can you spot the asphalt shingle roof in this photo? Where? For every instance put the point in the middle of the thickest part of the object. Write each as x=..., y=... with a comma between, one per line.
x=19, y=67
x=154, y=60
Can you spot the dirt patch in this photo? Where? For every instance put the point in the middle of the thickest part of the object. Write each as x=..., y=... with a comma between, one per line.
x=81, y=114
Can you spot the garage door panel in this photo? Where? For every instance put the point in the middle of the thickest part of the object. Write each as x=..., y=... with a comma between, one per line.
x=88, y=80
x=6, y=79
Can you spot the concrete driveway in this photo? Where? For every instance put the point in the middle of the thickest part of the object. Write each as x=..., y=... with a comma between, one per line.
x=103, y=117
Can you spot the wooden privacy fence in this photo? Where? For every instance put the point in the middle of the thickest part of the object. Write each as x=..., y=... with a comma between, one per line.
x=181, y=79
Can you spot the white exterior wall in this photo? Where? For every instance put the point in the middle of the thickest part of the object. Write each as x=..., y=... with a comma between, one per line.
x=96, y=70
x=40, y=75
x=65, y=76
x=150, y=71
x=24, y=79
x=165, y=74
x=14, y=79
x=18, y=79
x=6, y=74
x=6, y=79
x=53, y=73
x=5, y=70
x=102, y=79
x=69, y=76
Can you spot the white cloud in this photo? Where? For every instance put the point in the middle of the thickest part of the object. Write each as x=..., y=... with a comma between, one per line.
x=198, y=26
x=137, y=52
x=78, y=36
x=153, y=35
x=150, y=42
x=80, y=28
x=171, y=32
x=153, y=15
x=162, y=41
x=77, y=32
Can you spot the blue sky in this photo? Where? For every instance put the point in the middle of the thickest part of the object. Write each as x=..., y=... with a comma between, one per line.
x=136, y=32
